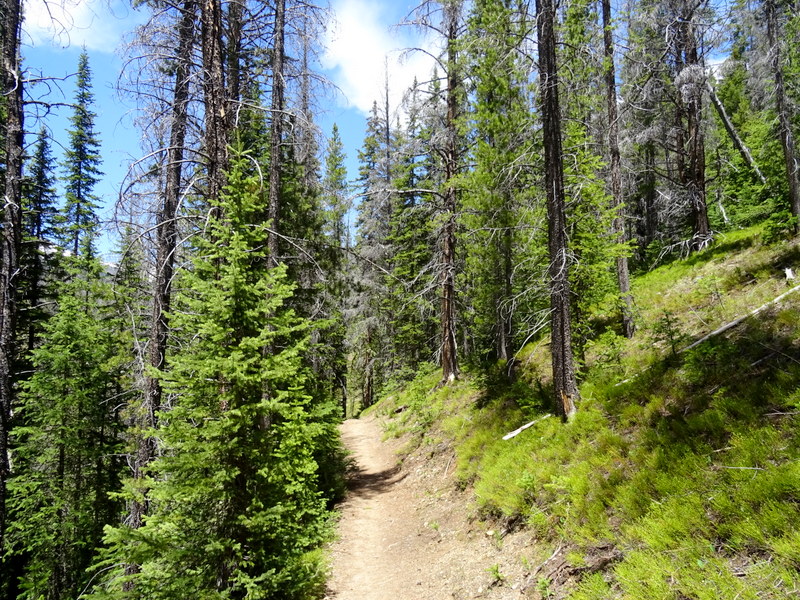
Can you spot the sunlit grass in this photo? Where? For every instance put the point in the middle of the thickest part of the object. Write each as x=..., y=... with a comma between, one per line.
x=686, y=462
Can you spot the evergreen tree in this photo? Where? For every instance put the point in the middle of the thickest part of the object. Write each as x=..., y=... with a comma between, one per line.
x=497, y=190
x=371, y=357
x=39, y=215
x=565, y=386
x=410, y=285
x=68, y=441
x=81, y=168
x=234, y=506
x=337, y=260
x=591, y=213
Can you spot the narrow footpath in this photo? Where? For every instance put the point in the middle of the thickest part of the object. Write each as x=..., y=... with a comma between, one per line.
x=405, y=533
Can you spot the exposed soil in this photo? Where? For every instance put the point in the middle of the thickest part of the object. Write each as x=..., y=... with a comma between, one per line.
x=407, y=533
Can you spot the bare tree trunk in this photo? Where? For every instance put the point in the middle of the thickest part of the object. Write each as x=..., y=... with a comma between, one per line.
x=166, y=246
x=650, y=196
x=216, y=117
x=618, y=225
x=11, y=231
x=784, y=121
x=744, y=151
x=276, y=130
x=505, y=312
x=564, y=380
x=696, y=183
x=449, y=357
x=233, y=53
x=691, y=147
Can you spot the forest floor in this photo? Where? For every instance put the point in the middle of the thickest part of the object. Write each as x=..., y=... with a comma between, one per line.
x=406, y=532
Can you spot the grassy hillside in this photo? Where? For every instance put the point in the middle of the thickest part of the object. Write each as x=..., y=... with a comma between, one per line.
x=680, y=475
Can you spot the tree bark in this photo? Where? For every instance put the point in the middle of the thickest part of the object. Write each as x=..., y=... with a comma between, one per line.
x=692, y=168
x=276, y=131
x=618, y=224
x=166, y=246
x=216, y=118
x=448, y=272
x=11, y=231
x=781, y=107
x=565, y=386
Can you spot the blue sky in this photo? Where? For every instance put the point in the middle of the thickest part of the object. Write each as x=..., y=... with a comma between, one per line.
x=360, y=41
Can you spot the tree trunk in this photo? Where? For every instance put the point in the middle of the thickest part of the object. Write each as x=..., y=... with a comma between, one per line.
x=505, y=313
x=216, y=118
x=276, y=130
x=11, y=231
x=618, y=225
x=691, y=142
x=744, y=151
x=784, y=120
x=448, y=268
x=564, y=381
x=166, y=246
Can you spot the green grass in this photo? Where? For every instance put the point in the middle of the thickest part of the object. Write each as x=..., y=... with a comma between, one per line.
x=691, y=468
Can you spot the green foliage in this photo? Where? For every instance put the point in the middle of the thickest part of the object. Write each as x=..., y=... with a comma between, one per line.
x=688, y=468
x=37, y=264
x=235, y=506
x=498, y=211
x=78, y=219
x=68, y=438
x=779, y=226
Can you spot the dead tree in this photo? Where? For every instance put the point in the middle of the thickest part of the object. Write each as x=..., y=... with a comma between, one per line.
x=214, y=98
x=276, y=129
x=12, y=85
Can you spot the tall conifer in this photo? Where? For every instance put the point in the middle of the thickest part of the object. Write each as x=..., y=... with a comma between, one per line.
x=234, y=505
x=81, y=168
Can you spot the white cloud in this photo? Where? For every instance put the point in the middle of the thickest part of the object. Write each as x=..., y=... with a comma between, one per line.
x=360, y=43
x=97, y=24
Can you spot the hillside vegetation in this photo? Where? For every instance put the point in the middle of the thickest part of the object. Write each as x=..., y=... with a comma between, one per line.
x=679, y=475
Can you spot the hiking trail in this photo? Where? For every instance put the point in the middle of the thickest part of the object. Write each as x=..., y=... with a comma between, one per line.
x=407, y=532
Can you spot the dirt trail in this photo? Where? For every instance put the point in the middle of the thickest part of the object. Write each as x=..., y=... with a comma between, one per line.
x=405, y=534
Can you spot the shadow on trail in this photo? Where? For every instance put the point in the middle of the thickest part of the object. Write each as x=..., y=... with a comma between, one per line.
x=366, y=485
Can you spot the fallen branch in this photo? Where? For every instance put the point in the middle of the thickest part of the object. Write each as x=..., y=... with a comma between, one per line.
x=740, y=320
x=516, y=432
x=722, y=329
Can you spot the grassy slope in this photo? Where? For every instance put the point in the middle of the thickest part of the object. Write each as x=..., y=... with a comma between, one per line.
x=690, y=469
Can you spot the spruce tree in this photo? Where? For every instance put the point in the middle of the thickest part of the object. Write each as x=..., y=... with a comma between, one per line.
x=234, y=506
x=36, y=254
x=371, y=357
x=493, y=203
x=337, y=260
x=409, y=281
x=68, y=441
x=591, y=213
x=81, y=168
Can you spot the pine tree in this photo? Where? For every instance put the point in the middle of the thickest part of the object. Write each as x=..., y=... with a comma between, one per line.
x=371, y=357
x=81, y=168
x=68, y=441
x=410, y=285
x=591, y=214
x=234, y=501
x=12, y=84
x=39, y=215
x=493, y=203
x=565, y=386
x=337, y=260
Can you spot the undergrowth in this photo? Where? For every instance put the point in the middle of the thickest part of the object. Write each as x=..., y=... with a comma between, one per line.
x=687, y=462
